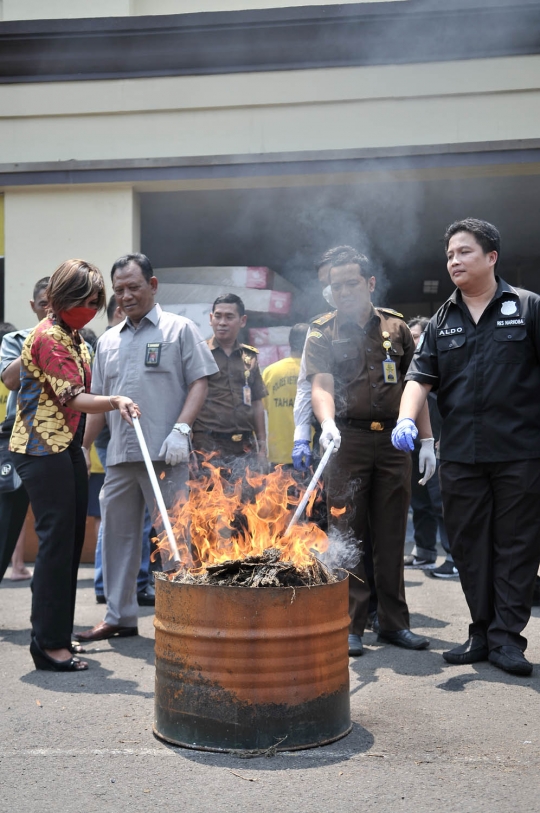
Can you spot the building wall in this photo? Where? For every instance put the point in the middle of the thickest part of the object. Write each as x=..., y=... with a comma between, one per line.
x=482, y=100
x=44, y=227
x=69, y=9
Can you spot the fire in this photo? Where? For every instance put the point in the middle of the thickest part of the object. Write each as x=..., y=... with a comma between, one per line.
x=337, y=512
x=222, y=520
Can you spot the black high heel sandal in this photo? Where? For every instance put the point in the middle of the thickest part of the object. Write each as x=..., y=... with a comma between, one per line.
x=45, y=662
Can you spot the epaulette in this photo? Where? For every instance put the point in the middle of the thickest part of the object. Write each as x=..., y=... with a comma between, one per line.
x=248, y=347
x=322, y=320
x=390, y=311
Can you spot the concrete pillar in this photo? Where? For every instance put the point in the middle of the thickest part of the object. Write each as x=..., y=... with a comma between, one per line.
x=44, y=227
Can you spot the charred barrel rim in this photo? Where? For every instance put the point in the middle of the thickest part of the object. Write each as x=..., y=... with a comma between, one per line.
x=241, y=751
x=278, y=696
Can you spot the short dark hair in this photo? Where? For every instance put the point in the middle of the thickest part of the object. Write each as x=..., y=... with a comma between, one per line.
x=486, y=234
x=423, y=321
x=230, y=299
x=111, y=307
x=349, y=256
x=329, y=256
x=140, y=259
x=39, y=286
x=297, y=337
x=6, y=327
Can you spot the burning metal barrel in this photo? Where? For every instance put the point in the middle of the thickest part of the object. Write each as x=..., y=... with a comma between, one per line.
x=249, y=669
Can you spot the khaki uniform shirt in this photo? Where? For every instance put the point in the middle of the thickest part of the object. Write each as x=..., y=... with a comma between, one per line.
x=354, y=357
x=224, y=409
x=154, y=364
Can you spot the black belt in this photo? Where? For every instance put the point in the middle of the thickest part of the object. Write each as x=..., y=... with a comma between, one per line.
x=236, y=437
x=372, y=426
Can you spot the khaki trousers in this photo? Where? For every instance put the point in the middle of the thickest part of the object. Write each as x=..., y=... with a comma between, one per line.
x=372, y=480
x=126, y=491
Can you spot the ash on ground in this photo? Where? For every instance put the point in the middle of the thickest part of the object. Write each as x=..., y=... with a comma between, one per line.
x=265, y=570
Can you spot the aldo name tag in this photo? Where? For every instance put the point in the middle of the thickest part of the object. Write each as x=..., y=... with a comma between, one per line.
x=153, y=354
x=389, y=372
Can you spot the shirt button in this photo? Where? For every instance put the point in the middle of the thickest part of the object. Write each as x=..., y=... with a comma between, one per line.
x=373, y=385
x=371, y=367
x=369, y=349
x=509, y=335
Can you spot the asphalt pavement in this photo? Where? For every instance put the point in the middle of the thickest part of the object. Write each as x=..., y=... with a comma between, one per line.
x=426, y=736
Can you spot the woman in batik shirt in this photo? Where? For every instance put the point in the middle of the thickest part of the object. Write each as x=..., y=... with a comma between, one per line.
x=46, y=446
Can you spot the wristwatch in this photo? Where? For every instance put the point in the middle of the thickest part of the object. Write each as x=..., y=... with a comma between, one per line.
x=183, y=428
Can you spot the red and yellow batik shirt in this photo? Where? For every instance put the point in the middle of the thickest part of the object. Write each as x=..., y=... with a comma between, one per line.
x=54, y=369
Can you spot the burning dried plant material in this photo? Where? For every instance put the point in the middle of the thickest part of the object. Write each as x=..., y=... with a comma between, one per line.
x=265, y=570
x=224, y=522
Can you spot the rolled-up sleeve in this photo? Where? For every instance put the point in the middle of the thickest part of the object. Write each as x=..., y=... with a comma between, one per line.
x=197, y=358
x=11, y=349
x=317, y=354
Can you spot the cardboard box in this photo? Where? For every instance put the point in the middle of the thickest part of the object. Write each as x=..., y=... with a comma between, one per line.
x=254, y=299
x=198, y=312
x=268, y=354
x=237, y=276
x=269, y=335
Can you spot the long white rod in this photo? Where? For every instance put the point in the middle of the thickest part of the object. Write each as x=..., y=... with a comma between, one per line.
x=157, y=491
x=311, y=487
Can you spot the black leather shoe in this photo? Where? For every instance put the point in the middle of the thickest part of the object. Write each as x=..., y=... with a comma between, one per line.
x=356, y=647
x=403, y=638
x=510, y=659
x=147, y=597
x=472, y=651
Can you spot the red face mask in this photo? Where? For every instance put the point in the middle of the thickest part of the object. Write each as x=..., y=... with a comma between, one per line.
x=76, y=318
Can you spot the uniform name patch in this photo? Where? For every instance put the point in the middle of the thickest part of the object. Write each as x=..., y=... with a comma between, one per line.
x=510, y=322
x=449, y=331
x=315, y=334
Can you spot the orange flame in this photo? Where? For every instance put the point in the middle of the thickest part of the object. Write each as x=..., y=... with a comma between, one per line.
x=337, y=512
x=220, y=521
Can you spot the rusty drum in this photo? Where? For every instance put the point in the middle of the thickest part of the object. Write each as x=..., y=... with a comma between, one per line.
x=242, y=668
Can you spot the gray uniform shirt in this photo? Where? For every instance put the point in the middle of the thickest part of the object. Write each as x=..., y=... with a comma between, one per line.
x=154, y=364
x=11, y=349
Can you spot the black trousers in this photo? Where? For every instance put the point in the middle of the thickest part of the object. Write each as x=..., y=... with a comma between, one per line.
x=57, y=485
x=372, y=480
x=13, y=508
x=492, y=515
x=426, y=504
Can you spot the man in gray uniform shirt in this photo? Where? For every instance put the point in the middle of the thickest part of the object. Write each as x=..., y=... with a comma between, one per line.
x=162, y=361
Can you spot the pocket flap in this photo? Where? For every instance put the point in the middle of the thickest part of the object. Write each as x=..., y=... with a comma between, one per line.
x=510, y=334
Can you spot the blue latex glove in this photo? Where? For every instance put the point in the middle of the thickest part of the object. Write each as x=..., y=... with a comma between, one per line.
x=404, y=435
x=301, y=455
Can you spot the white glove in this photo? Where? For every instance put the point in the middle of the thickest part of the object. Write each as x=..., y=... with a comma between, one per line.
x=427, y=462
x=330, y=432
x=175, y=448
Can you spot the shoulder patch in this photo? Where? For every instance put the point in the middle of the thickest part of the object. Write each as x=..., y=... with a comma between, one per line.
x=249, y=348
x=391, y=312
x=322, y=320
x=316, y=334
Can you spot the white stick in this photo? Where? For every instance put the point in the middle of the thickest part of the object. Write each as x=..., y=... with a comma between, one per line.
x=157, y=491
x=311, y=487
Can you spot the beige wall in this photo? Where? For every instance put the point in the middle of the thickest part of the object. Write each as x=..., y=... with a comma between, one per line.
x=336, y=108
x=58, y=9
x=46, y=227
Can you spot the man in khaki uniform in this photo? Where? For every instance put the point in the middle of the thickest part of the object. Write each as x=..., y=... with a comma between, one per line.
x=231, y=421
x=356, y=360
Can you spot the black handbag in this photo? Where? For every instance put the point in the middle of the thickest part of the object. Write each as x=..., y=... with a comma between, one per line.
x=9, y=479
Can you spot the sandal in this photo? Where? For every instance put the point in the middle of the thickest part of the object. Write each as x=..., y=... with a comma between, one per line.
x=45, y=662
